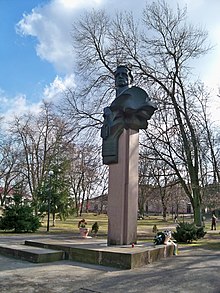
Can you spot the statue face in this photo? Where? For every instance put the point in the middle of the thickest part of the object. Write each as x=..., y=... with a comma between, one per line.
x=122, y=77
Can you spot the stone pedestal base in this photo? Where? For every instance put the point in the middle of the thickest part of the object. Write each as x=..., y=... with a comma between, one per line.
x=123, y=191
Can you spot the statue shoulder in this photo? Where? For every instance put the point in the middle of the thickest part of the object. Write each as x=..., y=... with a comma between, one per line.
x=137, y=92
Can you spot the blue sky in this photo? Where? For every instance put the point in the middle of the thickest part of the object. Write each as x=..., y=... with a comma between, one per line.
x=36, y=47
x=22, y=71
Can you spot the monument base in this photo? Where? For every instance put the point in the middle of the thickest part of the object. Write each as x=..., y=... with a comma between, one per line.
x=96, y=251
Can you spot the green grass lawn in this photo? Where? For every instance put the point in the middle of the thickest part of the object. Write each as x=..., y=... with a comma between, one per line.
x=210, y=241
x=71, y=224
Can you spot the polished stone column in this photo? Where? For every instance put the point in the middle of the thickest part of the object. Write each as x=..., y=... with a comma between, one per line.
x=123, y=191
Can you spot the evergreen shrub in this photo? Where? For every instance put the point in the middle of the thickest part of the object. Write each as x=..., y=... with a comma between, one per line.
x=19, y=218
x=187, y=232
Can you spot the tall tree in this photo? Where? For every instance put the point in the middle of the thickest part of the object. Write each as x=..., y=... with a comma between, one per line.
x=41, y=138
x=159, y=51
x=10, y=165
x=84, y=175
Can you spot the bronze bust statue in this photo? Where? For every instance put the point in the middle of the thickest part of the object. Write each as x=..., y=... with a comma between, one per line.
x=131, y=109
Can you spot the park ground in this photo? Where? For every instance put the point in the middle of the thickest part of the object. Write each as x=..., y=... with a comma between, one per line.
x=145, y=232
x=195, y=269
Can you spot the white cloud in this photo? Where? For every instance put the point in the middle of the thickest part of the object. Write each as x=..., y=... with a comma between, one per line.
x=16, y=106
x=193, y=5
x=57, y=88
x=19, y=105
x=52, y=24
x=70, y=4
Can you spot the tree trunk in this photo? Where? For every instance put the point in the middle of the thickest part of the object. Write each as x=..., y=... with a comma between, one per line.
x=54, y=219
x=197, y=207
x=164, y=207
x=164, y=213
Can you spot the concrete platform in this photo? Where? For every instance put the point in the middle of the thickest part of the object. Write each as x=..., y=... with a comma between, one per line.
x=30, y=253
x=95, y=251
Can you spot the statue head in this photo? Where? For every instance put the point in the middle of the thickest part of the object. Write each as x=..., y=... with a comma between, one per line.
x=123, y=76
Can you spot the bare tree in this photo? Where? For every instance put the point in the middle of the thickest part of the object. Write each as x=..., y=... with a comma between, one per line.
x=159, y=51
x=84, y=175
x=40, y=138
x=10, y=165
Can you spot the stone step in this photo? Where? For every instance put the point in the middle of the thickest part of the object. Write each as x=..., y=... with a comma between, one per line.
x=123, y=257
x=31, y=253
